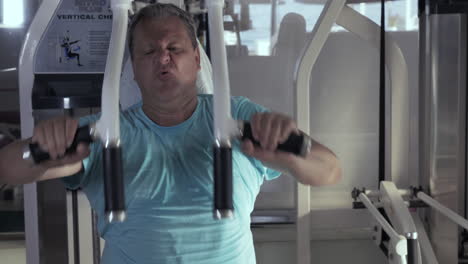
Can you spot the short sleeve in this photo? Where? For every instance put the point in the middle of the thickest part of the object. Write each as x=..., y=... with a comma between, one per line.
x=243, y=109
x=80, y=179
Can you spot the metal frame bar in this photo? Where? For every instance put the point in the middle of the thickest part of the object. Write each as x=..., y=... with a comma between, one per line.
x=443, y=210
x=26, y=71
x=397, y=150
x=303, y=69
x=398, y=244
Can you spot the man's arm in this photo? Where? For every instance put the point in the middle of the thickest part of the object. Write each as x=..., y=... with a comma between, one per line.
x=51, y=135
x=319, y=167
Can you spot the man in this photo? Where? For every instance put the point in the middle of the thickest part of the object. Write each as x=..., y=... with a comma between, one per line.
x=167, y=142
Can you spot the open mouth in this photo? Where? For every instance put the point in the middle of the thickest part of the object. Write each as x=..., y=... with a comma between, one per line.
x=164, y=71
x=164, y=74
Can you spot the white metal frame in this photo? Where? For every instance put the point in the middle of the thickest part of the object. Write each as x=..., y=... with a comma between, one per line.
x=398, y=248
x=390, y=198
x=397, y=145
x=456, y=218
x=320, y=33
x=406, y=223
x=26, y=80
x=399, y=215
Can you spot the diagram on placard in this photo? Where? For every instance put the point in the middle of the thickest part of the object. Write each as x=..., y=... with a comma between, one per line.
x=70, y=49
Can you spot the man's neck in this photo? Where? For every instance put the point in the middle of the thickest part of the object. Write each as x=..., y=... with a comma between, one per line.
x=170, y=114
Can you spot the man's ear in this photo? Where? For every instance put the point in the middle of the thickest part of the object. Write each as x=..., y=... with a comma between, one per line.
x=197, y=57
x=133, y=69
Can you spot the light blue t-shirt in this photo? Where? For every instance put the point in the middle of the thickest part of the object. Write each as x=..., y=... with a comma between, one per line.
x=168, y=176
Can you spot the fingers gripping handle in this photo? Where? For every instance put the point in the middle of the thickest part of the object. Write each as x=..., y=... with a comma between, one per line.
x=34, y=153
x=113, y=172
x=298, y=144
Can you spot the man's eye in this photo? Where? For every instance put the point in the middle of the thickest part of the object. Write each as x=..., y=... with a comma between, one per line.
x=149, y=52
x=173, y=48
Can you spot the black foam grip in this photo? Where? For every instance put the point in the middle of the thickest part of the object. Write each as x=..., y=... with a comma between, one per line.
x=82, y=135
x=113, y=179
x=412, y=251
x=223, y=178
x=293, y=144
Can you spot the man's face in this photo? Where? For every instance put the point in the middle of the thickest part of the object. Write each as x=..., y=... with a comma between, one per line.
x=164, y=60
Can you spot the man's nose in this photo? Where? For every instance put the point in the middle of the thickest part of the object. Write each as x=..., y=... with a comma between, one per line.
x=164, y=57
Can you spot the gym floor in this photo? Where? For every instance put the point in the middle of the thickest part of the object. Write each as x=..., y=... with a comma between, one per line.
x=13, y=252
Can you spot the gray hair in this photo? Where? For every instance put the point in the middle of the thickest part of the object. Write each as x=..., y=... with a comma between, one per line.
x=158, y=11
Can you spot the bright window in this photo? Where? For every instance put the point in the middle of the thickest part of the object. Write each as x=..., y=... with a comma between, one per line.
x=12, y=13
x=401, y=15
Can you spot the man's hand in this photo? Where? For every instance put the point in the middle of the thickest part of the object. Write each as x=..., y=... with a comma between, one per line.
x=270, y=129
x=319, y=167
x=55, y=136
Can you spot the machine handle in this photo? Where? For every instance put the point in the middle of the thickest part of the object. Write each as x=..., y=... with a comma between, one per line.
x=113, y=184
x=37, y=155
x=298, y=144
x=223, y=189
